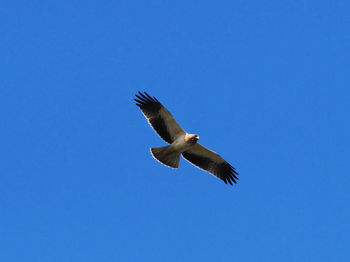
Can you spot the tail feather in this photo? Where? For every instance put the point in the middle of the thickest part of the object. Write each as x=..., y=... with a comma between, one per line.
x=166, y=155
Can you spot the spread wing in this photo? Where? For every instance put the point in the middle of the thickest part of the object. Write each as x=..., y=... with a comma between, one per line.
x=159, y=118
x=211, y=162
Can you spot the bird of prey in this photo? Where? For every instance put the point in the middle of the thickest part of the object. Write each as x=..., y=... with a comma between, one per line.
x=181, y=143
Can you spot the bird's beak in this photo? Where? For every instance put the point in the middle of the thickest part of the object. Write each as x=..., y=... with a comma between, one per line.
x=197, y=137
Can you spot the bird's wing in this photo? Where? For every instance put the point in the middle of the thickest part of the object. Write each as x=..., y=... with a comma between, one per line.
x=159, y=118
x=211, y=162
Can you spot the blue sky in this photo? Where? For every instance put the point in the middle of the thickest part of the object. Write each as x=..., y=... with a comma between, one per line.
x=264, y=83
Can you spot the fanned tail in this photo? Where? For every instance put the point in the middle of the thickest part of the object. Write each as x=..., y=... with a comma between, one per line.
x=166, y=155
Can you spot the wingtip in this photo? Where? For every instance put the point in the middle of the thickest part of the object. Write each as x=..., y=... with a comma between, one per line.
x=145, y=98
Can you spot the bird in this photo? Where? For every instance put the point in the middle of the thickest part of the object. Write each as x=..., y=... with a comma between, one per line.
x=181, y=142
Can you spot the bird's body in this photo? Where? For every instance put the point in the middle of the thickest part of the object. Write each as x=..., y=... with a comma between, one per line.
x=184, y=142
x=181, y=143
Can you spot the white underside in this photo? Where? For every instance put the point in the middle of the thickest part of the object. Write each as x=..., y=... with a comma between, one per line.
x=180, y=144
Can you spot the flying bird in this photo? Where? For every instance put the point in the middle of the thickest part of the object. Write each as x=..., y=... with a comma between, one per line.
x=181, y=143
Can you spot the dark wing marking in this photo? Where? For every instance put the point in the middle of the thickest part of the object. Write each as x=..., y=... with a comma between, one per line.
x=158, y=117
x=211, y=162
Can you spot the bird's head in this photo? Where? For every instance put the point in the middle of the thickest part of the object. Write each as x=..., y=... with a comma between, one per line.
x=194, y=138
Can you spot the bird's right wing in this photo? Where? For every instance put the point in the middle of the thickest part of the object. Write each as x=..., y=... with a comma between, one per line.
x=159, y=118
x=211, y=162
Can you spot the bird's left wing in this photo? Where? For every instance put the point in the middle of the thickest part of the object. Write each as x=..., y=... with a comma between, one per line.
x=158, y=117
x=211, y=162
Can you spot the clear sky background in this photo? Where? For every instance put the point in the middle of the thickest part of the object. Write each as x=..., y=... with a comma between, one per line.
x=264, y=83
